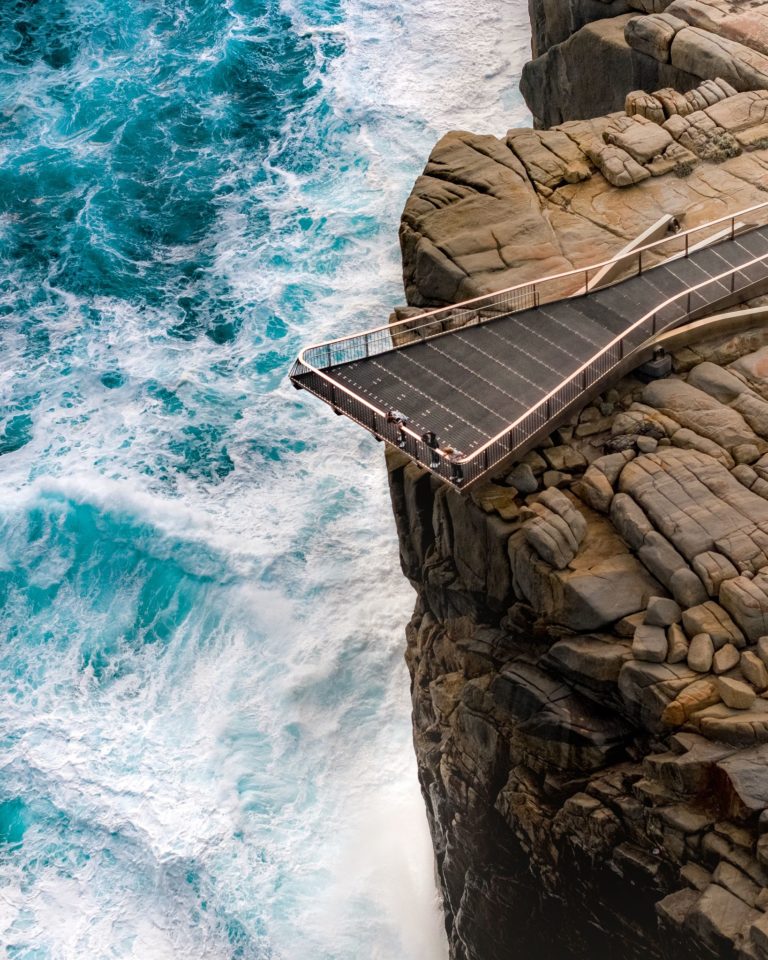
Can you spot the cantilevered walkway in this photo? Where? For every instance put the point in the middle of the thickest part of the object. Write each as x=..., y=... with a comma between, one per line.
x=493, y=376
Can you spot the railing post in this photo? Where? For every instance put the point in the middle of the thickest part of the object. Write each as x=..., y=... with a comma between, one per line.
x=688, y=303
x=367, y=351
x=586, y=281
x=733, y=227
x=686, y=244
x=640, y=264
x=328, y=354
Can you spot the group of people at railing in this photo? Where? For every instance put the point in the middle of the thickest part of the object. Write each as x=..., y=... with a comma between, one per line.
x=437, y=453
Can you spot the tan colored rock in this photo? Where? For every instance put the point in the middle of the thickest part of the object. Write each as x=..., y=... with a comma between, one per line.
x=699, y=133
x=755, y=412
x=618, y=167
x=741, y=728
x=653, y=35
x=630, y=521
x=737, y=882
x=545, y=168
x=762, y=649
x=713, y=569
x=694, y=697
x=737, y=64
x=700, y=653
x=754, y=138
x=640, y=138
x=564, y=458
x=748, y=109
x=754, y=670
x=746, y=453
x=648, y=688
x=747, y=602
x=665, y=563
x=612, y=464
x=716, y=381
x=552, y=539
x=595, y=490
x=735, y=693
x=662, y=612
x=686, y=439
x=674, y=102
x=640, y=103
x=698, y=411
x=725, y=659
x=699, y=506
x=686, y=588
x=753, y=367
x=584, y=596
x=565, y=507
x=650, y=644
x=677, y=644
x=719, y=917
x=712, y=619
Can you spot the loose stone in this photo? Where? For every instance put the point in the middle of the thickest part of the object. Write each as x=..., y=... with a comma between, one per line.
x=663, y=612
x=754, y=670
x=650, y=644
x=725, y=659
x=735, y=693
x=700, y=653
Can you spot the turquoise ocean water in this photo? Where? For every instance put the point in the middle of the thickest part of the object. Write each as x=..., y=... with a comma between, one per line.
x=204, y=719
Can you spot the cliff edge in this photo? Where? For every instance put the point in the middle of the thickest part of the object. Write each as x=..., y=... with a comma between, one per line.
x=588, y=54
x=589, y=647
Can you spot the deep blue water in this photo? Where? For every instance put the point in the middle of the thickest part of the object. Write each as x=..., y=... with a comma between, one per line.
x=204, y=721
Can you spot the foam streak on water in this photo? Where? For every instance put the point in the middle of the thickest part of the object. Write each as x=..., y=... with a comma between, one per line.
x=204, y=719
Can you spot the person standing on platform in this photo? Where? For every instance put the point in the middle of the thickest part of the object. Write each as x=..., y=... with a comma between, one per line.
x=453, y=457
x=430, y=438
x=394, y=416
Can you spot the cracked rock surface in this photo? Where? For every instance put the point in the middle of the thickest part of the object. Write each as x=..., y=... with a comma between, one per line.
x=648, y=44
x=488, y=213
x=590, y=676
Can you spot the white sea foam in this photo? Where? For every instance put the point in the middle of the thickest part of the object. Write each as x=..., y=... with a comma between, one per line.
x=246, y=781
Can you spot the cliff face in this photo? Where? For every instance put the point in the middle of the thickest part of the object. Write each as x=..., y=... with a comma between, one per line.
x=589, y=648
x=589, y=705
x=672, y=43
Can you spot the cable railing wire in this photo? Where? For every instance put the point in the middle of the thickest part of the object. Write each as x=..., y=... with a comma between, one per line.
x=308, y=370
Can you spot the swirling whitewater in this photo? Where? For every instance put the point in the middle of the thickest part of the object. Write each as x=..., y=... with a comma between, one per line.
x=204, y=717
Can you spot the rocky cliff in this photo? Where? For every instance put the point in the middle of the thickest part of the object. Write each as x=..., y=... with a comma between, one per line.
x=588, y=54
x=589, y=648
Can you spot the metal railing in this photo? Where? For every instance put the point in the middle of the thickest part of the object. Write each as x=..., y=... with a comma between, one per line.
x=308, y=370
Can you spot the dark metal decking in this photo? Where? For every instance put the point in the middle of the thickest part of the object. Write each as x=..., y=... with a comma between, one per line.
x=490, y=388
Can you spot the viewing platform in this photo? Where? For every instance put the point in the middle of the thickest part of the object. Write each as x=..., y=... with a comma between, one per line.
x=491, y=377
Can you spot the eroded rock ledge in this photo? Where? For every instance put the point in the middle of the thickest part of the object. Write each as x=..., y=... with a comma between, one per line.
x=590, y=691
x=589, y=649
x=642, y=44
x=488, y=213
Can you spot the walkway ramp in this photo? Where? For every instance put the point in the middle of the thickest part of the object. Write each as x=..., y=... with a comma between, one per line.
x=493, y=376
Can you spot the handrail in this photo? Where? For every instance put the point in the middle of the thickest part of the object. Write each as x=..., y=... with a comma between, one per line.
x=526, y=285
x=616, y=340
x=557, y=400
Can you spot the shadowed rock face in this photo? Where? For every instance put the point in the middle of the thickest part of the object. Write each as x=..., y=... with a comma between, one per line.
x=589, y=676
x=640, y=44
